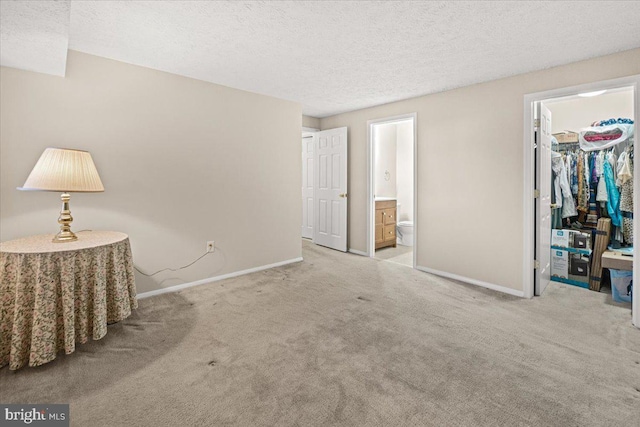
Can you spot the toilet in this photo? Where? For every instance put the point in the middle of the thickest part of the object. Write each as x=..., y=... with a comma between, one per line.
x=404, y=231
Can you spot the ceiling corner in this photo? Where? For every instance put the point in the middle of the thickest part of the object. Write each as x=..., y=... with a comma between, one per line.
x=34, y=35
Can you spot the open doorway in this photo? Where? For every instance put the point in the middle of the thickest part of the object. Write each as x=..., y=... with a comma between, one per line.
x=579, y=172
x=392, y=207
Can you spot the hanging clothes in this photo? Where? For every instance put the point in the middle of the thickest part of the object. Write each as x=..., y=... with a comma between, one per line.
x=625, y=178
x=593, y=171
x=583, y=187
x=599, y=184
x=567, y=166
x=627, y=214
x=599, y=163
x=601, y=193
x=587, y=176
x=623, y=169
x=613, y=160
x=592, y=216
x=613, y=205
x=564, y=198
x=556, y=197
x=573, y=172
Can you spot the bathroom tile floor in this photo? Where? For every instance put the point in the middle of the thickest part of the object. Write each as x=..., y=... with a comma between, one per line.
x=400, y=255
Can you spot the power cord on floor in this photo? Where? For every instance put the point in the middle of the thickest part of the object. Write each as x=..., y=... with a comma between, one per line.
x=173, y=269
x=164, y=269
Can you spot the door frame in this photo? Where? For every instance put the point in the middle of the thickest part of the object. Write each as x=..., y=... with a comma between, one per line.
x=529, y=222
x=370, y=181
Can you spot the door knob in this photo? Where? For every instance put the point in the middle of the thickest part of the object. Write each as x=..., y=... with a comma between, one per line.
x=342, y=194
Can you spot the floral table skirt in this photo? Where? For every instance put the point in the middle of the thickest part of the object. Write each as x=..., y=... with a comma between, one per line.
x=51, y=300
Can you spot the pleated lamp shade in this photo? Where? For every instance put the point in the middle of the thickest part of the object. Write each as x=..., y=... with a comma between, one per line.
x=64, y=170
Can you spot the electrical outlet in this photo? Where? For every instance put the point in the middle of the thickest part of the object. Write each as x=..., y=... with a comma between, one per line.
x=211, y=246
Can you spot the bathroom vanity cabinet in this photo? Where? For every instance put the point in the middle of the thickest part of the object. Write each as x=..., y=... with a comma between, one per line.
x=386, y=223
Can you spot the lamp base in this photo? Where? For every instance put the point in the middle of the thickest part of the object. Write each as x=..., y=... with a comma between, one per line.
x=65, y=235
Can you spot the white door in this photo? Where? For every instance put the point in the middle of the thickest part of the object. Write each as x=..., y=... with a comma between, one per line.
x=307, y=187
x=543, y=202
x=330, y=179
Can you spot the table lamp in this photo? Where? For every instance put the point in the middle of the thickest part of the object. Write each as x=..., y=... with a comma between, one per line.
x=64, y=170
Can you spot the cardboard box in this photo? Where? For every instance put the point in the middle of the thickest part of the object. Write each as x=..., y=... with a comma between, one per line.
x=560, y=263
x=562, y=238
x=571, y=239
x=571, y=268
x=566, y=137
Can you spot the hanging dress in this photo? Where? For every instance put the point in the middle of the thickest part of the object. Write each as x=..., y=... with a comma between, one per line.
x=601, y=193
x=562, y=189
x=592, y=217
x=573, y=172
x=583, y=190
x=613, y=205
x=625, y=178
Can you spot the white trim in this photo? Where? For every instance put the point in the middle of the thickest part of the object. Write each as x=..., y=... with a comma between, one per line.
x=635, y=303
x=305, y=135
x=182, y=286
x=357, y=252
x=306, y=129
x=528, y=164
x=528, y=200
x=413, y=117
x=487, y=285
x=415, y=190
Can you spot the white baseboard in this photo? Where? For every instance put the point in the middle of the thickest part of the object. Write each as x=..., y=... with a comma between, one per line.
x=182, y=286
x=357, y=252
x=487, y=285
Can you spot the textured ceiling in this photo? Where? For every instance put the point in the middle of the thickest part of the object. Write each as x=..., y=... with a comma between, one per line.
x=334, y=57
x=34, y=35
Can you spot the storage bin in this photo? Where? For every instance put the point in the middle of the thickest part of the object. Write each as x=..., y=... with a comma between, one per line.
x=620, y=281
x=566, y=137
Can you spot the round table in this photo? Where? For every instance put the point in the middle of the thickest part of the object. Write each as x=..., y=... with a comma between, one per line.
x=53, y=295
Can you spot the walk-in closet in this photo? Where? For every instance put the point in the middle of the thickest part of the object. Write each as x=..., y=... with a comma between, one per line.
x=592, y=166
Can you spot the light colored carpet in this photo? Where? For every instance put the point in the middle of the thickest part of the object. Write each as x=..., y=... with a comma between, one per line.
x=346, y=340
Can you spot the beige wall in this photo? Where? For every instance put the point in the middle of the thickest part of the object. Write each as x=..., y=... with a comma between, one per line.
x=393, y=152
x=576, y=113
x=386, y=148
x=404, y=168
x=470, y=160
x=182, y=161
x=310, y=122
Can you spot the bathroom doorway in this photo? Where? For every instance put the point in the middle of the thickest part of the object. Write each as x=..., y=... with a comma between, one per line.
x=392, y=189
